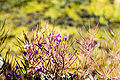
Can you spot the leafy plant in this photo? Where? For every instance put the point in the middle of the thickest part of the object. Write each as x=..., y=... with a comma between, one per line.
x=48, y=55
x=5, y=65
x=45, y=55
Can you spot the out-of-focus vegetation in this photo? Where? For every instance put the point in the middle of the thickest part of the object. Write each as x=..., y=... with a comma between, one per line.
x=67, y=16
x=72, y=13
x=62, y=13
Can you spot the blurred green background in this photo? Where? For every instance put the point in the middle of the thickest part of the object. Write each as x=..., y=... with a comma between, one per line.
x=63, y=13
x=72, y=13
x=66, y=15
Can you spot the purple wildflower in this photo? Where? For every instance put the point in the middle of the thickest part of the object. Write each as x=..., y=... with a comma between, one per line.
x=11, y=74
x=8, y=78
x=15, y=74
x=39, y=44
x=36, y=51
x=25, y=53
x=49, y=47
x=57, y=37
x=37, y=68
x=18, y=76
x=16, y=67
x=59, y=40
x=40, y=69
x=39, y=57
x=52, y=59
x=49, y=34
x=65, y=38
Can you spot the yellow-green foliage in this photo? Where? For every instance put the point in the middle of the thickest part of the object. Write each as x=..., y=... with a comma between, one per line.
x=19, y=19
x=11, y=42
x=104, y=8
x=58, y=10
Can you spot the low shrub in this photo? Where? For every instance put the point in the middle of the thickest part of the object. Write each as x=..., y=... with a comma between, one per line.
x=46, y=55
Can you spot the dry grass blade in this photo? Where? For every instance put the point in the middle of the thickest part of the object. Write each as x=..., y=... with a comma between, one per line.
x=26, y=39
x=21, y=40
x=19, y=65
x=2, y=25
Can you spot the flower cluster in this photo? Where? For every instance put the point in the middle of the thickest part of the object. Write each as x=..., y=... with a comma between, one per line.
x=57, y=38
x=47, y=54
x=13, y=75
x=37, y=68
